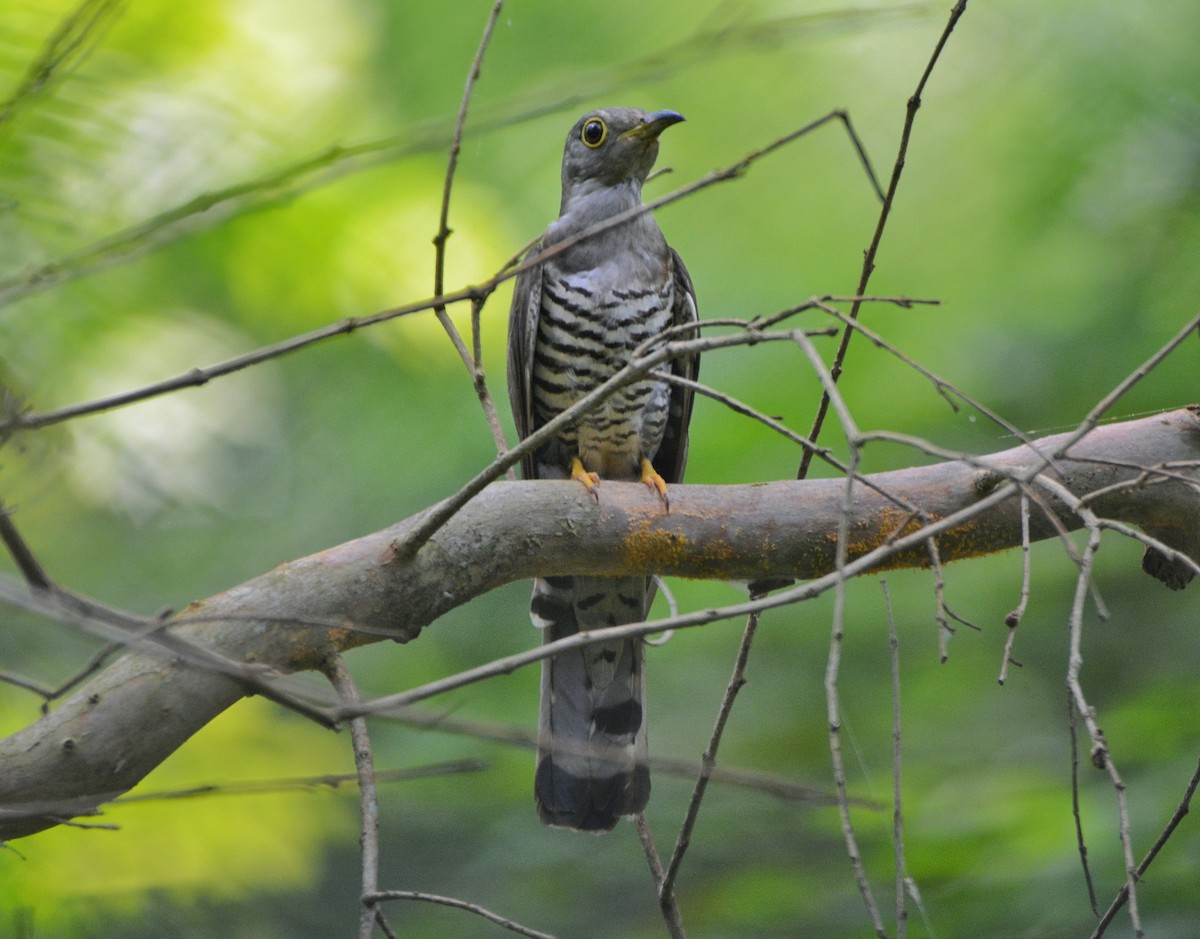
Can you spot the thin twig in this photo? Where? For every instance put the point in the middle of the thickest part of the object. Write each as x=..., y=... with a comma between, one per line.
x=152, y=635
x=868, y=268
x=833, y=663
x=28, y=684
x=1123, y=387
x=833, y=710
x=947, y=389
x=1123, y=894
x=941, y=613
x=897, y=750
x=1101, y=757
x=776, y=786
x=1013, y=619
x=709, y=758
x=364, y=765
x=457, y=904
x=293, y=783
x=666, y=898
x=473, y=362
x=30, y=567
x=1076, y=814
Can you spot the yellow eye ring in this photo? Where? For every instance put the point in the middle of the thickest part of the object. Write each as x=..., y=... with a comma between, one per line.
x=594, y=132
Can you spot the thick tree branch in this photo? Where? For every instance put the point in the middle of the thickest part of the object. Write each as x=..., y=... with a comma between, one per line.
x=130, y=717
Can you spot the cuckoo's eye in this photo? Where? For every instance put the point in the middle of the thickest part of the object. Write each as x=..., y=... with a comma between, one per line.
x=594, y=131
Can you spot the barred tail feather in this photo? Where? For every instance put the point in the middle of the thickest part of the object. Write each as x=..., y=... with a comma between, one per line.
x=591, y=762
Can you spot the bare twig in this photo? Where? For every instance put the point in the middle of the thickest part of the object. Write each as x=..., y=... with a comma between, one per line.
x=868, y=268
x=666, y=897
x=833, y=663
x=1101, y=757
x=947, y=389
x=1013, y=619
x=457, y=904
x=897, y=788
x=1123, y=894
x=28, y=684
x=1076, y=814
x=153, y=636
x=31, y=569
x=1092, y=419
x=293, y=783
x=940, y=610
x=364, y=765
x=473, y=362
x=709, y=758
x=833, y=708
x=776, y=786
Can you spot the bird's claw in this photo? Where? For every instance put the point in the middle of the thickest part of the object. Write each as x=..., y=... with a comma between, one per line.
x=655, y=483
x=589, y=480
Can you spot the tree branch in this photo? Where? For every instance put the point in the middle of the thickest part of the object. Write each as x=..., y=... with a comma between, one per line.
x=106, y=737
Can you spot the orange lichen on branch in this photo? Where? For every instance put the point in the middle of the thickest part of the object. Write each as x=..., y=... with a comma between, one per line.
x=650, y=546
x=877, y=529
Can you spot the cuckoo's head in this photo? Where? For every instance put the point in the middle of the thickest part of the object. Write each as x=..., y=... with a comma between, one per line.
x=613, y=147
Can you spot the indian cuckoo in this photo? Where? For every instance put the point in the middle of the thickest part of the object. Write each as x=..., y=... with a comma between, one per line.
x=577, y=319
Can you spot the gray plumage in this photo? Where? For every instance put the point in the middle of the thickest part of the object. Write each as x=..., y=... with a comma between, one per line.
x=576, y=320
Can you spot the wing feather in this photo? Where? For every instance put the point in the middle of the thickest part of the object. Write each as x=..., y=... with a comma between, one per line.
x=672, y=453
x=522, y=337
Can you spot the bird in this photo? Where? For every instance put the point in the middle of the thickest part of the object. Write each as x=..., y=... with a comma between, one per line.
x=577, y=318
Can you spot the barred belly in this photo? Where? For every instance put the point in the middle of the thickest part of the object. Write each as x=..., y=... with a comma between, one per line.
x=587, y=331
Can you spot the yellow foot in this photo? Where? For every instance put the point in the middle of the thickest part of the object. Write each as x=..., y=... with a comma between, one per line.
x=590, y=480
x=655, y=483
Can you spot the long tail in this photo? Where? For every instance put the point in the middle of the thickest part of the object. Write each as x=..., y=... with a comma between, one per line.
x=591, y=761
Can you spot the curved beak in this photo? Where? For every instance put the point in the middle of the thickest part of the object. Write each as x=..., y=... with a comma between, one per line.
x=656, y=122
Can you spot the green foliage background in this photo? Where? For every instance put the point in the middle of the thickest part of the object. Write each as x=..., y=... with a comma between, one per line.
x=1050, y=203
